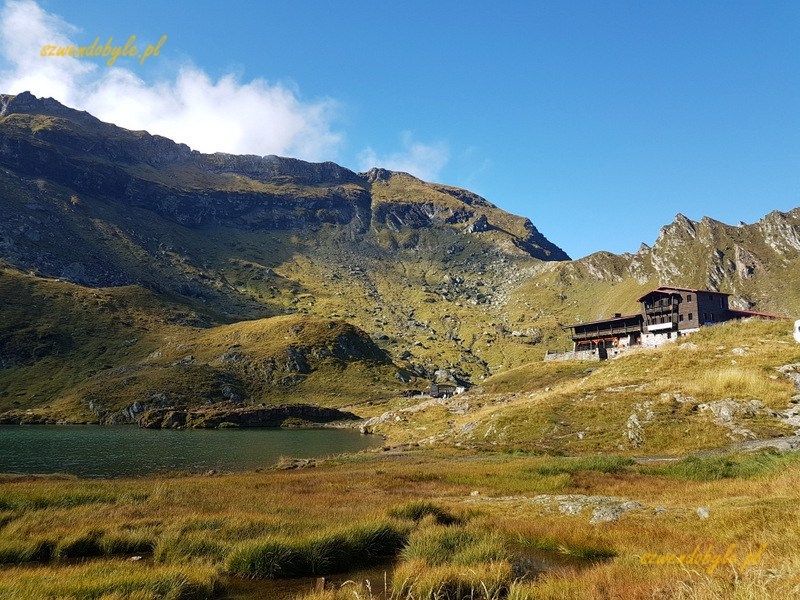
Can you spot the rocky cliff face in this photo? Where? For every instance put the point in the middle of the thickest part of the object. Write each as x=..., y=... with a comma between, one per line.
x=759, y=264
x=742, y=259
x=419, y=266
x=50, y=143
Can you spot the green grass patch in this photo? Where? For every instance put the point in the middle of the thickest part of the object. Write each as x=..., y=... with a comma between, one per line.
x=21, y=501
x=79, y=545
x=321, y=554
x=601, y=464
x=110, y=579
x=726, y=466
x=455, y=545
x=17, y=551
x=420, y=509
x=179, y=548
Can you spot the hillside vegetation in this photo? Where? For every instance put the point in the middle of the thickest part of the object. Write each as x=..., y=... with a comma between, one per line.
x=71, y=353
x=728, y=383
x=448, y=285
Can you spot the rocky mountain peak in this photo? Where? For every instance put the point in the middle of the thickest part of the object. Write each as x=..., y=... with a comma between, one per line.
x=27, y=103
x=377, y=174
x=781, y=231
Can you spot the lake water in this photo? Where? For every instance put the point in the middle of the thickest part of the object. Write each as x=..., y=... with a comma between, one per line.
x=123, y=451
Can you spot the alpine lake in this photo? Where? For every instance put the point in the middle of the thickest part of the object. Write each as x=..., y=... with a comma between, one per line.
x=93, y=451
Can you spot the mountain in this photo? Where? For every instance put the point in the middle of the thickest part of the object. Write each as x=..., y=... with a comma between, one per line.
x=131, y=266
x=97, y=217
x=759, y=264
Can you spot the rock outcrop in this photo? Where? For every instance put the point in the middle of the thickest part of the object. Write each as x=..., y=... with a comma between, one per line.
x=214, y=417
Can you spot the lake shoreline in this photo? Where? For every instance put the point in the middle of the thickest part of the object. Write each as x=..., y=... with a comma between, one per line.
x=214, y=416
x=94, y=452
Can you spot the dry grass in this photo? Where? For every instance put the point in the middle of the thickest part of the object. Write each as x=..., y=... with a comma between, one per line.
x=108, y=579
x=648, y=402
x=208, y=520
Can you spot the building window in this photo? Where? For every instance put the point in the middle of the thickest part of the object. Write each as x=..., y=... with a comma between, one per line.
x=689, y=298
x=705, y=317
x=680, y=318
x=690, y=316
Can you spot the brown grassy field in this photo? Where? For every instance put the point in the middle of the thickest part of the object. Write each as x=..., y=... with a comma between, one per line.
x=459, y=521
x=523, y=509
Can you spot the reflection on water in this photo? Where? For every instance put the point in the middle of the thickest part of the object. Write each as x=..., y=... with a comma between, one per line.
x=529, y=564
x=378, y=578
x=122, y=451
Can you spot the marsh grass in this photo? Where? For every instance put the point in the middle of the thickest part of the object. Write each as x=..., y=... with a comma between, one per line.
x=456, y=545
x=481, y=581
x=420, y=509
x=59, y=499
x=79, y=545
x=108, y=579
x=178, y=548
x=725, y=466
x=280, y=523
x=328, y=552
x=602, y=464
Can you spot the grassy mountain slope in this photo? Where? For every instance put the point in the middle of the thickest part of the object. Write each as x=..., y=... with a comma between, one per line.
x=90, y=354
x=721, y=385
x=449, y=286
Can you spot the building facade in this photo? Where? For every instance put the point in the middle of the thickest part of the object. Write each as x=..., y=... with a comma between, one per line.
x=670, y=312
x=667, y=313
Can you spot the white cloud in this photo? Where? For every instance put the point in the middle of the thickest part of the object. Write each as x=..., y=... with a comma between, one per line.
x=225, y=115
x=421, y=160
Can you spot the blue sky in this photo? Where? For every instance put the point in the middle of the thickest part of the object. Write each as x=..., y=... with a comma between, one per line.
x=597, y=120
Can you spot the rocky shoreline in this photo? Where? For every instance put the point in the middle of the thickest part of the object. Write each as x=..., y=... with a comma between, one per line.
x=284, y=415
x=216, y=417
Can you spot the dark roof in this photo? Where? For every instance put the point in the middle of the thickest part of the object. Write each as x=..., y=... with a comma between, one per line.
x=622, y=318
x=752, y=313
x=667, y=288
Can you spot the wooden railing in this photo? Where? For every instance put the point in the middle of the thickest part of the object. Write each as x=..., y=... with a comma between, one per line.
x=602, y=332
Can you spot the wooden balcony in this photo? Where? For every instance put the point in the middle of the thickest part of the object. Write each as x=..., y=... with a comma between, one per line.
x=592, y=332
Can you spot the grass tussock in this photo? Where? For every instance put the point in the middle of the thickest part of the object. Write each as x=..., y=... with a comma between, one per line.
x=20, y=551
x=418, y=510
x=482, y=581
x=725, y=466
x=79, y=545
x=179, y=548
x=454, y=545
x=734, y=382
x=109, y=579
x=324, y=553
x=601, y=464
x=128, y=541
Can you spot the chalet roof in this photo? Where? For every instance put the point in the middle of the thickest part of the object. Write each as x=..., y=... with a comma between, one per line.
x=620, y=318
x=668, y=288
x=752, y=313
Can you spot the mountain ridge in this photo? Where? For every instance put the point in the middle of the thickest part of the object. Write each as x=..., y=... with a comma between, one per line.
x=446, y=284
